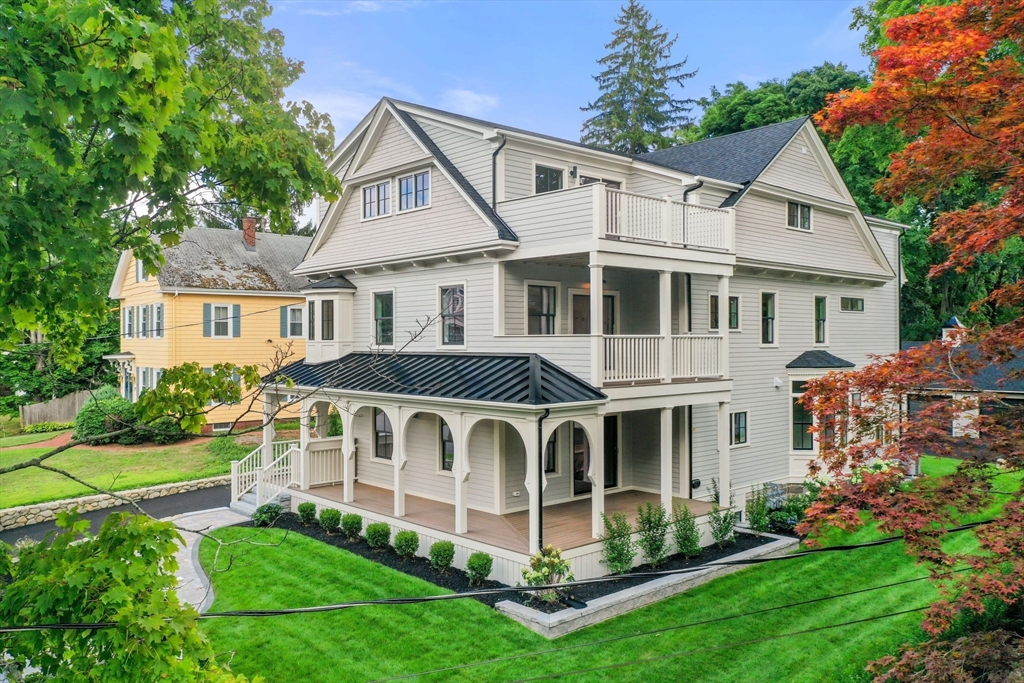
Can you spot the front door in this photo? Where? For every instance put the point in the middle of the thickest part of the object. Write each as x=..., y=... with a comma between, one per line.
x=581, y=314
x=581, y=456
x=611, y=451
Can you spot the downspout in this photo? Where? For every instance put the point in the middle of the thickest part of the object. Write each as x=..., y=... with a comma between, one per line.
x=687, y=189
x=494, y=172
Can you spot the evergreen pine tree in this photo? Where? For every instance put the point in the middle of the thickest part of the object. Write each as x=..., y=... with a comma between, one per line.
x=636, y=108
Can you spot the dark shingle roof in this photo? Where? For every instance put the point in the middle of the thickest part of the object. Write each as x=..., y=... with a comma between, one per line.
x=819, y=359
x=208, y=258
x=736, y=158
x=504, y=232
x=999, y=377
x=503, y=378
x=336, y=282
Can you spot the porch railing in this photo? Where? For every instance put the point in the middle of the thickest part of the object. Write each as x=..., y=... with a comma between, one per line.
x=632, y=357
x=638, y=217
x=277, y=476
x=696, y=355
x=325, y=462
x=244, y=471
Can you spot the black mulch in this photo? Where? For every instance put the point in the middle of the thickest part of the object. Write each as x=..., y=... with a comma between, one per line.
x=457, y=580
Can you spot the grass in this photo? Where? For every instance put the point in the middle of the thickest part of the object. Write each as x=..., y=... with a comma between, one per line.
x=367, y=643
x=118, y=469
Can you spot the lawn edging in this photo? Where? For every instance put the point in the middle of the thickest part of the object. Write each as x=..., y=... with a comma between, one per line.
x=35, y=513
x=610, y=606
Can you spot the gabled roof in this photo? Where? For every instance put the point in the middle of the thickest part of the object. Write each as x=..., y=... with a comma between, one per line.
x=209, y=258
x=996, y=377
x=526, y=379
x=737, y=157
x=336, y=282
x=818, y=360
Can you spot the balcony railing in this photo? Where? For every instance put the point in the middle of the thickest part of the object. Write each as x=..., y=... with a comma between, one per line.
x=665, y=221
x=696, y=355
x=637, y=357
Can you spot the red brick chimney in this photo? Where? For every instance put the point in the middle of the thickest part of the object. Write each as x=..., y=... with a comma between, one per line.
x=249, y=231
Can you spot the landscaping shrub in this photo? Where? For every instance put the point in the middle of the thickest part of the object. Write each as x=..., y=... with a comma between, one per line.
x=334, y=427
x=652, y=527
x=226, y=449
x=103, y=393
x=722, y=522
x=757, y=510
x=307, y=512
x=43, y=427
x=378, y=535
x=351, y=525
x=330, y=519
x=478, y=566
x=442, y=554
x=406, y=543
x=785, y=519
x=547, y=568
x=685, y=532
x=266, y=514
x=165, y=430
x=109, y=415
x=617, y=551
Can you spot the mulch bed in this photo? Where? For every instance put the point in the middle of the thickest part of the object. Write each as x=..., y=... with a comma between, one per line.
x=457, y=581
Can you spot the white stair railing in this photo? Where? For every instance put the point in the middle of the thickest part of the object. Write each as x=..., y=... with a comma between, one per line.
x=276, y=477
x=244, y=471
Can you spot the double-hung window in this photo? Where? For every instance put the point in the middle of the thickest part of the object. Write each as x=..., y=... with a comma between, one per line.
x=738, y=428
x=852, y=304
x=327, y=320
x=414, y=191
x=384, y=318
x=377, y=200
x=820, y=320
x=447, y=447
x=221, y=321
x=540, y=309
x=714, y=313
x=798, y=216
x=767, y=318
x=158, y=320
x=129, y=322
x=143, y=321
x=548, y=179
x=803, y=420
x=383, y=436
x=295, y=321
x=140, y=271
x=453, y=316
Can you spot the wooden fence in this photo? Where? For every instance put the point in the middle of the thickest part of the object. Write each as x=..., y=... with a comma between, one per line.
x=63, y=409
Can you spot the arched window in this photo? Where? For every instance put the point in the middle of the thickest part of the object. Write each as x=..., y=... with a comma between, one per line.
x=383, y=435
x=447, y=447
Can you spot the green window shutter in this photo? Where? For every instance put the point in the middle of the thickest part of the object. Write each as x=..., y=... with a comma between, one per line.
x=207, y=319
x=284, y=322
x=236, y=320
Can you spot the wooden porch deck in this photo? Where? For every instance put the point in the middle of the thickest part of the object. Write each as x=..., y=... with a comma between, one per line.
x=566, y=525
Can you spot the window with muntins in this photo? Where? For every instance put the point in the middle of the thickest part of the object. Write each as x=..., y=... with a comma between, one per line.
x=767, y=318
x=312, y=321
x=820, y=319
x=129, y=322
x=713, y=312
x=551, y=454
x=158, y=321
x=447, y=448
x=327, y=320
x=734, y=313
x=548, y=179
x=143, y=321
x=384, y=318
x=851, y=303
x=738, y=431
x=798, y=216
x=377, y=200
x=383, y=436
x=540, y=305
x=295, y=321
x=414, y=191
x=221, y=321
x=803, y=420
x=453, y=316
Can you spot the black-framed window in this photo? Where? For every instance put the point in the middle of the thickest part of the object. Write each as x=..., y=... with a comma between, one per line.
x=447, y=446
x=327, y=320
x=541, y=301
x=851, y=303
x=453, y=315
x=798, y=215
x=734, y=313
x=551, y=454
x=713, y=312
x=414, y=191
x=377, y=200
x=803, y=420
x=738, y=428
x=312, y=321
x=548, y=179
x=384, y=318
x=820, y=319
x=767, y=318
x=383, y=436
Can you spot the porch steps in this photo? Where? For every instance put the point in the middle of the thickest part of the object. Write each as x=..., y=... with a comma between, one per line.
x=246, y=505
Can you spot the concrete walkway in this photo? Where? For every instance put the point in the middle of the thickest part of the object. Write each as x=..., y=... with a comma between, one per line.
x=193, y=584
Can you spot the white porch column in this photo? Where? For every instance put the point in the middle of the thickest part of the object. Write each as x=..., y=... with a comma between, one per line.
x=723, y=323
x=665, y=319
x=305, y=433
x=597, y=476
x=685, y=475
x=270, y=404
x=398, y=458
x=596, y=321
x=460, y=468
x=666, y=458
x=724, y=482
x=533, y=473
x=348, y=454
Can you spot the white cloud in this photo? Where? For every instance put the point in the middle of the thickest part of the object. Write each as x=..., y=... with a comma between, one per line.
x=379, y=5
x=312, y=11
x=469, y=102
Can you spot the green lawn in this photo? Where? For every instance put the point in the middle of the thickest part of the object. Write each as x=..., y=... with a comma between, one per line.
x=123, y=468
x=367, y=643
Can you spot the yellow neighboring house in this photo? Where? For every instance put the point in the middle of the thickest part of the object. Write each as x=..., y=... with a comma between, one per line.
x=222, y=296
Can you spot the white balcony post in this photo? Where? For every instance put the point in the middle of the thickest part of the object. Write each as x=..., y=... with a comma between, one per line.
x=685, y=475
x=597, y=477
x=461, y=472
x=270, y=403
x=533, y=483
x=723, y=324
x=730, y=230
x=348, y=454
x=600, y=209
x=665, y=319
x=724, y=483
x=596, y=321
x=398, y=459
x=666, y=459
x=666, y=219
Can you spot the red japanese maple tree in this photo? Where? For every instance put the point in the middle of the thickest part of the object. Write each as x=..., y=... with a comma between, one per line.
x=952, y=80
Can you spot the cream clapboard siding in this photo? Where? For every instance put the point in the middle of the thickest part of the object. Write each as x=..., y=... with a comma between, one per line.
x=651, y=186
x=833, y=243
x=551, y=218
x=796, y=168
x=394, y=147
x=519, y=180
x=711, y=196
x=470, y=154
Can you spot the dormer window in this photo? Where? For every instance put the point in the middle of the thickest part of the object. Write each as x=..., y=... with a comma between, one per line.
x=377, y=200
x=798, y=216
x=548, y=179
x=414, y=191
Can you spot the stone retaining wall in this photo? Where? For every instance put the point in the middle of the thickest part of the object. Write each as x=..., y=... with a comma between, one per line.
x=12, y=518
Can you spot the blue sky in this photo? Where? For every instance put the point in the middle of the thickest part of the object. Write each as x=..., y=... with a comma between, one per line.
x=530, y=64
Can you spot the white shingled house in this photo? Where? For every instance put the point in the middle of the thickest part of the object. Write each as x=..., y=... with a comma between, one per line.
x=603, y=330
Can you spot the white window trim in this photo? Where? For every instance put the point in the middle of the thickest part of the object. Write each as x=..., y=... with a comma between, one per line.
x=526, y=305
x=805, y=231
x=775, y=331
x=213, y=321
x=814, y=313
x=559, y=452
x=302, y=308
x=413, y=174
x=215, y=429
x=159, y=308
x=362, y=203
x=849, y=310
x=605, y=177
x=586, y=292
x=465, y=317
x=746, y=443
x=790, y=395
x=725, y=313
x=140, y=271
x=549, y=164
x=373, y=435
x=373, y=319
x=440, y=454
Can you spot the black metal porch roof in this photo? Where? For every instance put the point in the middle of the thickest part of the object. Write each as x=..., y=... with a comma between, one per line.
x=527, y=379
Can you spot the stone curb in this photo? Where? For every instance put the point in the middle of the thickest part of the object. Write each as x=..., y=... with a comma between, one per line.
x=24, y=515
x=629, y=599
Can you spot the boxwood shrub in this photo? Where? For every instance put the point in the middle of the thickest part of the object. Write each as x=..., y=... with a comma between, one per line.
x=266, y=514
x=330, y=519
x=307, y=512
x=407, y=543
x=478, y=566
x=378, y=535
x=352, y=526
x=442, y=554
